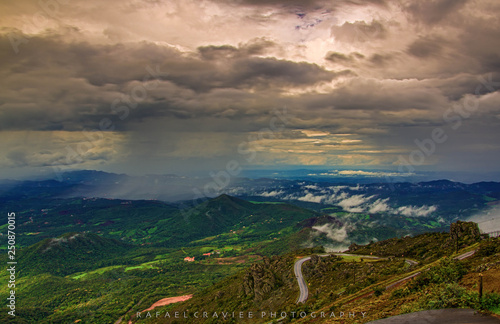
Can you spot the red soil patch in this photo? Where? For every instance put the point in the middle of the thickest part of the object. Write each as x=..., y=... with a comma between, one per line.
x=167, y=301
x=237, y=259
x=230, y=260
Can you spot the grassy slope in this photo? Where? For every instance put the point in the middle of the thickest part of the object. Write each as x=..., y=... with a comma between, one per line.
x=96, y=279
x=101, y=292
x=337, y=285
x=153, y=222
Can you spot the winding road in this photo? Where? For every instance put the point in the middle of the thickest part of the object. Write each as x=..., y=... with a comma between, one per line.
x=304, y=290
x=297, y=268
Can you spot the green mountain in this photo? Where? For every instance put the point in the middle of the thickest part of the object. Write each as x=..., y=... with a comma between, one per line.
x=70, y=253
x=87, y=278
x=351, y=283
x=117, y=258
x=153, y=222
x=241, y=219
x=122, y=255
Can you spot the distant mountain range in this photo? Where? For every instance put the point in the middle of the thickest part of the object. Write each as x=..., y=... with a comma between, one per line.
x=103, y=254
x=142, y=209
x=173, y=188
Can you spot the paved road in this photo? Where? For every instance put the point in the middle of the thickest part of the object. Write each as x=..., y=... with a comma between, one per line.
x=465, y=255
x=358, y=255
x=401, y=280
x=411, y=262
x=440, y=316
x=297, y=268
x=304, y=290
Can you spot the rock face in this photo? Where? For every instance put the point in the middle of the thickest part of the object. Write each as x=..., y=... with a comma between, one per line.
x=465, y=232
x=319, y=265
x=263, y=280
x=353, y=247
x=259, y=280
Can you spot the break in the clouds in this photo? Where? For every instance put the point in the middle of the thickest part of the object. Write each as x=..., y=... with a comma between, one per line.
x=181, y=86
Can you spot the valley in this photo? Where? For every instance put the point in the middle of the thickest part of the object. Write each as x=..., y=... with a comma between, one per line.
x=97, y=260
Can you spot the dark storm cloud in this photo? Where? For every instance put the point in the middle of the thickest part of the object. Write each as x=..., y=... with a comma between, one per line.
x=433, y=11
x=376, y=96
x=72, y=85
x=426, y=47
x=213, y=52
x=224, y=68
x=457, y=86
x=100, y=65
x=263, y=71
x=479, y=40
x=336, y=57
x=242, y=72
x=380, y=60
x=122, y=63
x=257, y=46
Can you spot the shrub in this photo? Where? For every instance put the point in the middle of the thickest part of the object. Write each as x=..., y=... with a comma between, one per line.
x=399, y=293
x=448, y=271
x=378, y=291
x=451, y=296
x=491, y=302
x=488, y=248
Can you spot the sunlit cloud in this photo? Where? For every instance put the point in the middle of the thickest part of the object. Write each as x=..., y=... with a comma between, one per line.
x=362, y=81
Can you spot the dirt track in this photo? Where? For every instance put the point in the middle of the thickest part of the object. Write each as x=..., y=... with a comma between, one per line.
x=167, y=301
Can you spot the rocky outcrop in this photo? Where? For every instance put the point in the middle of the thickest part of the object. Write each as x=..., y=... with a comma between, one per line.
x=259, y=280
x=353, y=247
x=263, y=278
x=319, y=265
x=465, y=232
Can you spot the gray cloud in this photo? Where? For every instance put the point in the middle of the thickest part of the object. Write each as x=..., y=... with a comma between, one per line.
x=258, y=46
x=337, y=57
x=82, y=80
x=307, y=4
x=359, y=31
x=433, y=11
x=426, y=47
x=383, y=76
x=381, y=59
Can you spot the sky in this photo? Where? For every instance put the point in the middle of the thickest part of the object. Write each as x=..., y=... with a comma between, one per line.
x=190, y=87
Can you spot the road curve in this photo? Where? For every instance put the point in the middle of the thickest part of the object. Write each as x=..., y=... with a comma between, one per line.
x=304, y=290
x=411, y=262
x=297, y=268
